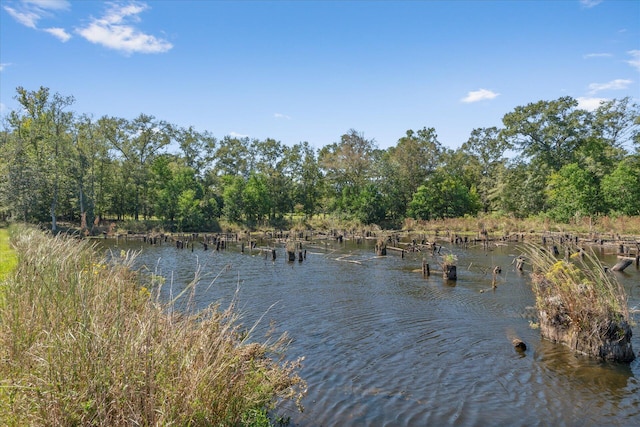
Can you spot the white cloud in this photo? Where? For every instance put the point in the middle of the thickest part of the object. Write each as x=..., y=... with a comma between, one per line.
x=3, y=65
x=597, y=55
x=590, y=3
x=590, y=104
x=60, y=33
x=281, y=116
x=48, y=4
x=24, y=17
x=114, y=31
x=612, y=85
x=635, y=59
x=29, y=12
x=3, y=107
x=479, y=95
x=237, y=135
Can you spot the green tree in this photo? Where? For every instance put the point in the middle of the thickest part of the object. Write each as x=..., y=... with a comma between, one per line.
x=139, y=141
x=272, y=162
x=234, y=156
x=443, y=196
x=197, y=148
x=486, y=152
x=621, y=188
x=232, y=196
x=347, y=167
x=256, y=198
x=42, y=143
x=573, y=191
x=549, y=132
x=308, y=184
x=190, y=217
x=408, y=165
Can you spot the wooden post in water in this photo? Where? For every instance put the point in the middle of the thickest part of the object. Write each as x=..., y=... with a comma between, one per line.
x=425, y=268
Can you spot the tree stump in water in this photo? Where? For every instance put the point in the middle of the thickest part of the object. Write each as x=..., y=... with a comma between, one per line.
x=580, y=307
x=381, y=248
x=291, y=251
x=449, y=272
x=518, y=344
x=611, y=341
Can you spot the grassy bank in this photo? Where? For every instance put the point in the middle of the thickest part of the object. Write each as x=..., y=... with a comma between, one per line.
x=83, y=343
x=8, y=257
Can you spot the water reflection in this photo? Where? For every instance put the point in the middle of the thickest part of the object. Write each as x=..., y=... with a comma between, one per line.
x=385, y=346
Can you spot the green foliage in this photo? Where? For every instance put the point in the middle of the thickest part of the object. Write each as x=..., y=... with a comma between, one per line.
x=621, y=188
x=444, y=196
x=58, y=164
x=573, y=191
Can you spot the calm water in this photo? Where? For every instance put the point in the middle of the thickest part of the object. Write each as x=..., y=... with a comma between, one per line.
x=385, y=347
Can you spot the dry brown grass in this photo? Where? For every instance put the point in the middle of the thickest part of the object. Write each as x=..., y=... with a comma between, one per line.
x=83, y=343
x=504, y=225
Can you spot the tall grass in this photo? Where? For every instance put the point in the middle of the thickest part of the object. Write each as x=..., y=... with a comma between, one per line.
x=581, y=304
x=8, y=257
x=83, y=343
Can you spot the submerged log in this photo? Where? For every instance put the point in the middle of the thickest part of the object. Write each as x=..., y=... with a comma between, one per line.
x=623, y=262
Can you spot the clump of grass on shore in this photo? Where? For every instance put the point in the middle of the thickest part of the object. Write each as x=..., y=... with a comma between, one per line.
x=581, y=305
x=83, y=343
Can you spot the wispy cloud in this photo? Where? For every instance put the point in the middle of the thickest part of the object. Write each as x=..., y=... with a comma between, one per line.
x=60, y=33
x=3, y=107
x=590, y=104
x=4, y=65
x=635, y=59
x=597, y=55
x=29, y=12
x=616, y=84
x=590, y=3
x=479, y=95
x=115, y=30
x=281, y=116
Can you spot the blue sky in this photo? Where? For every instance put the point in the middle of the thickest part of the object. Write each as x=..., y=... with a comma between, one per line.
x=311, y=70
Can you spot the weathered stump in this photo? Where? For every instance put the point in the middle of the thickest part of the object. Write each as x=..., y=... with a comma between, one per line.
x=449, y=272
x=519, y=345
x=381, y=248
x=611, y=340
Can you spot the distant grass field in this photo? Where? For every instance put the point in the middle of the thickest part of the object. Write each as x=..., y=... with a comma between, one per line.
x=8, y=257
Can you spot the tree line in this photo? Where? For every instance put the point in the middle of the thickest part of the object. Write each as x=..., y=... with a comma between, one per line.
x=549, y=158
